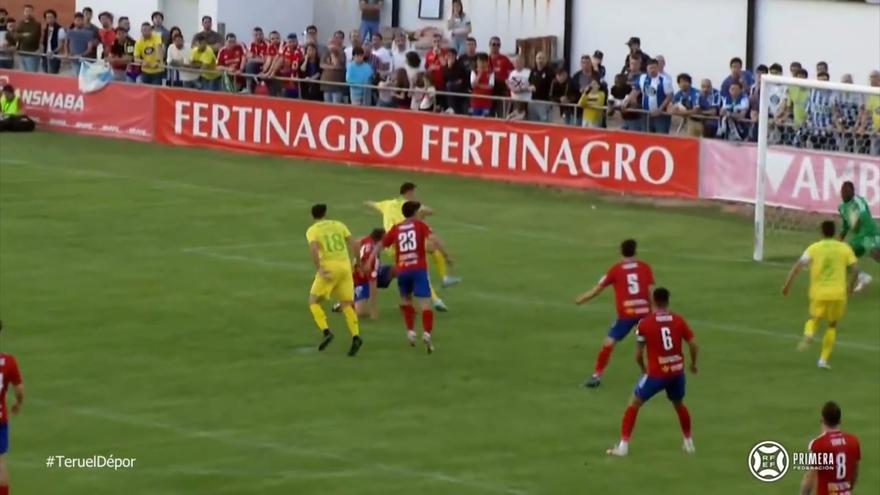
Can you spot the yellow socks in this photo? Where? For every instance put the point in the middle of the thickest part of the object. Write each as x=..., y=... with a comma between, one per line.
x=440, y=264
x=828, y=343
x=351, y=320
x=810, y=328
x=319, y=316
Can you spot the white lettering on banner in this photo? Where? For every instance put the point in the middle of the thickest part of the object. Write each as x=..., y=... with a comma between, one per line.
x=447, y=144
x=585, y=160
x=220, y=115
x=109, y=128
x=806, y=179
x=85, y=125
x=564, y=157
x=58, y=122
x=496, y=137
x=242, y=113
x=397, y=141
x=55, y=101
x=668, y=165
x=358, y=131
x=198, y=118
x=472, y=141
x=258, y=125
x=623, y=161
x=540, y=157
x=428, y=140
x=305, y=132
x=322, y=134
x=179, y=115
x=282, y=131
x=869, y=183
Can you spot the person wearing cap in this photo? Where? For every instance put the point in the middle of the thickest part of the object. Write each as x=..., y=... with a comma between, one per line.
x=635, y=49
x=10, y=104
x=598, y=57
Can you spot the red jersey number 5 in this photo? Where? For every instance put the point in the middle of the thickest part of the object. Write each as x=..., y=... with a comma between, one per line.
x=632, y=283
x=406, y=241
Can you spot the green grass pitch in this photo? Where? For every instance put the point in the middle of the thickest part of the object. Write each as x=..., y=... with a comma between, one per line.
x=156, y=301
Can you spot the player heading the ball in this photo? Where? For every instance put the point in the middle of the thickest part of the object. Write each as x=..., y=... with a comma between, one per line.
x=411, y=239
x=660, y=334
x=632, y=280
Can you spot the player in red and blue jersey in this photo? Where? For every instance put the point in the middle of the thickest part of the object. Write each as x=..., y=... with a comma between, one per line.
x=9, y=375
x=411, y=239
x=840, y=475
x=660, y=334
x=633, y=281
x=365, y=275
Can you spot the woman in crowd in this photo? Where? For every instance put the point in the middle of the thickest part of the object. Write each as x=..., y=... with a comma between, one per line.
x=333, y=71
x=311, y=69
x=459, y=25
x=400, y=97
x=423, y=94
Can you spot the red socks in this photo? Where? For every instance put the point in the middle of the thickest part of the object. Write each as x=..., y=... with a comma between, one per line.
x=684, y=419
x=629, y=422
x=602, y=360
x=4, y=490
x=409, y=318
x=428, y=321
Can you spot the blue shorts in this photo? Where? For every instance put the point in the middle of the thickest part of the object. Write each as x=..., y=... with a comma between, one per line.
x=4, y=438
x=620, y=328
x=481, y=112
x=361, y=292
x=414, y=283
x=648, y=387
x=384, y=276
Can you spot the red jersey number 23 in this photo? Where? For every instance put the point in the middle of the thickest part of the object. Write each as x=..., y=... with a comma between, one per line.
x=406, y=241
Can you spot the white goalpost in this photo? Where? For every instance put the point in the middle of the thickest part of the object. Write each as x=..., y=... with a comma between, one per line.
x=810, y=116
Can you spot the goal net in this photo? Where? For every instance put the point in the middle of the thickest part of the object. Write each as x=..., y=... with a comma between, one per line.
x=812, y=137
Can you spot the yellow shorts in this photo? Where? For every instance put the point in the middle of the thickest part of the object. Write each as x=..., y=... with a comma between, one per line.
x=339, y=286
x=831, y=311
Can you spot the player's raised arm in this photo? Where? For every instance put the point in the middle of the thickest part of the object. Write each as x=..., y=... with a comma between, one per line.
x=372, y=205
x=425, y=211
x=808, y=483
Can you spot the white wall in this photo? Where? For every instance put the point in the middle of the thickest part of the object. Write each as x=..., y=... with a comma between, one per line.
x=138, y=11
x=241, y=16
x=183, y=14
x=335, y=15
x=696, y=36
x=508, y=19
x=844, y=34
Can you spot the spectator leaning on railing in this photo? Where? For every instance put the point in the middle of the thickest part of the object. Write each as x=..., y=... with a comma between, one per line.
x=107, y=33
x=52, y=43
x=7, y=44
x=737, y=74
x=564, y=92
x=733, y=111
x=657, y=93
x=256, y=56
x=540, y=80
x=686, y=104
x=456, y=78
x=28, y=35
x=202, y=57
x=591, y=103
x=82, y=42
x=179, y=58
x=358, y=73
x=710, y=107
x=520, y=88
x=333, y=71
x=149, y=53
x=482, y=85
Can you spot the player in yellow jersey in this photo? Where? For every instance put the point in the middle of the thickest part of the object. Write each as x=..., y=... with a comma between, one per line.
x=391, y=210
x=829, y=260
x=331, y=245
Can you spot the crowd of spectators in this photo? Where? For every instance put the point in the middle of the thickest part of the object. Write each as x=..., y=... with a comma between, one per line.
x=451, y=76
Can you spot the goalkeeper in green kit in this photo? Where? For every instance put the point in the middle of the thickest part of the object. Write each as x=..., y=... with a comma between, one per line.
x=864, y=236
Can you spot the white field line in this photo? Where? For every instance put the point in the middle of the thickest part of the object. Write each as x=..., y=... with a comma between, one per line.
x=529, y=234
x=539, y=302
x=239, y=441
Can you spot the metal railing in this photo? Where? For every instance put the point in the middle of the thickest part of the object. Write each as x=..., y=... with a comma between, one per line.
x=562, y=113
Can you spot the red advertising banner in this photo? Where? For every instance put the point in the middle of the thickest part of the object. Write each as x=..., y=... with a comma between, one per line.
x=798, y=179
x=55, y=102
x=517, y=152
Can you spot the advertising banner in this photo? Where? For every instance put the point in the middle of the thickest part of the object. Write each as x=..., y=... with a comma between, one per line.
x=491, y=149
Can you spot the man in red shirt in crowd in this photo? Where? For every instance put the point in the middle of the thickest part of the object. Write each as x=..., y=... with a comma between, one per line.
x=482, y=84
x=836, y=450
x=231, y=58
x=9, y=375
x=434, y=61
x=288, y=65
x=273, y=57
x=107, y=34
x=501, y=67
x=660, y=334
x=633, y=281
x=256, y=56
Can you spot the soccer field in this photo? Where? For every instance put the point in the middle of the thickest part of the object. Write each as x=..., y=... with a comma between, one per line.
x=156, y=301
